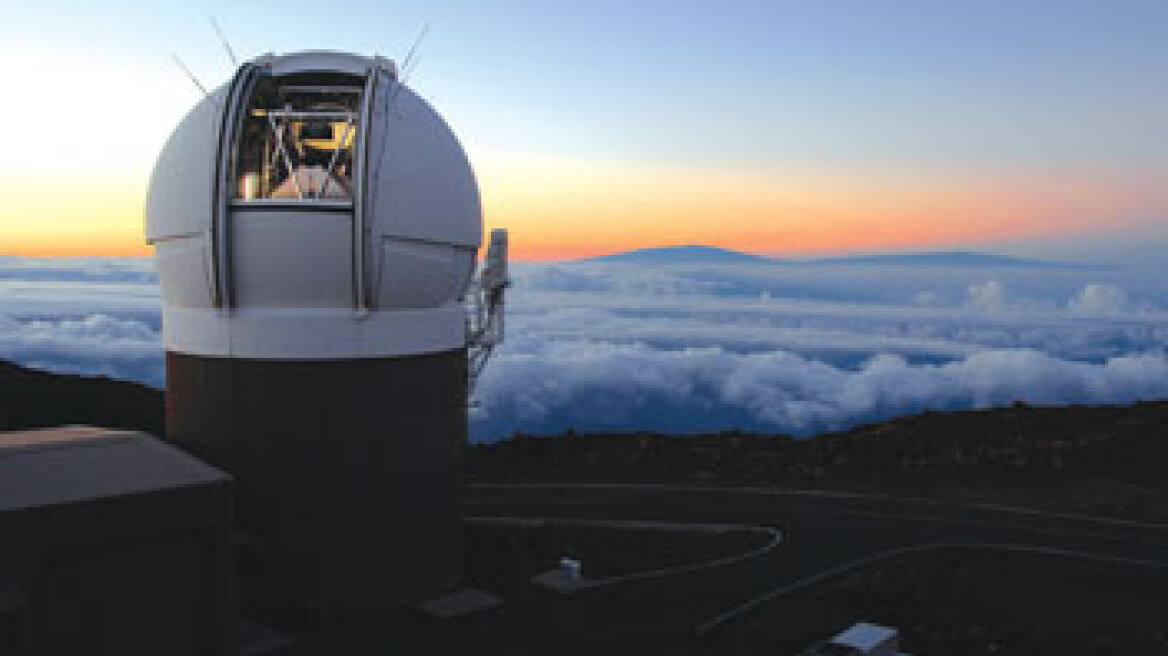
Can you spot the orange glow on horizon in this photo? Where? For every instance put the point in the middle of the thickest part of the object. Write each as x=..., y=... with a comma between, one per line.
x=558, y=210
x=94, y=215
x=561, y=210
x=97, y=247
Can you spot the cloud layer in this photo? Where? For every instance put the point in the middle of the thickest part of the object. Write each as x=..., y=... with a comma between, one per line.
x=589, y=386
x=685, y=349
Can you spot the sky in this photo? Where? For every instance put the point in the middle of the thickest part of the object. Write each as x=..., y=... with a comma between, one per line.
x=776, y=127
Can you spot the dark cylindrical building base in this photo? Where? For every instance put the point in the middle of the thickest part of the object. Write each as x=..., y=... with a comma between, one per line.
x=347, y=474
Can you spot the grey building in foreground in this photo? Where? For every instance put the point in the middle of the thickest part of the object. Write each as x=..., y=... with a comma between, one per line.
x=112, y=543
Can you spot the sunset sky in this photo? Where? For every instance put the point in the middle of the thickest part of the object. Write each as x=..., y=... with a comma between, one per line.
x=774, y=127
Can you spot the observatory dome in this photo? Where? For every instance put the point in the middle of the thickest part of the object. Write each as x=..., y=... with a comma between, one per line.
x=313, y=207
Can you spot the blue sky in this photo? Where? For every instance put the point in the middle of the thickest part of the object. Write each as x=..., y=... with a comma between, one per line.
x=992, y=120
x=700, y=80
x=1029, y=127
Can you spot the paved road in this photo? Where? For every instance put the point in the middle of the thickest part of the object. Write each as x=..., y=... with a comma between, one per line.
x=821, y=531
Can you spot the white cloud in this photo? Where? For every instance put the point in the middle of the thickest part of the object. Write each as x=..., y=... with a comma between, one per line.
x=928, y=298
x=78, y=269
x=988, y=296
x=1097, y=298
x=552, y=386
x=784, y=348
x=93, y=344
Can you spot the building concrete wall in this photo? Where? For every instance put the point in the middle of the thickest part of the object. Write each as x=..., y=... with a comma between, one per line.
x=347, y=474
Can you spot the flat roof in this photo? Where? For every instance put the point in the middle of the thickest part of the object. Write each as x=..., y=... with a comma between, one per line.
x=71, y=464
x=49, y=435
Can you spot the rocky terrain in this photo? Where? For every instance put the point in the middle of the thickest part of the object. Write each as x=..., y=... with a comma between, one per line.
x=1103, y=460
x=1099, y=460
x=30, y=398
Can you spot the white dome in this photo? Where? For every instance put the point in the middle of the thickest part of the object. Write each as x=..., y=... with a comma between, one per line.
x=313, y=208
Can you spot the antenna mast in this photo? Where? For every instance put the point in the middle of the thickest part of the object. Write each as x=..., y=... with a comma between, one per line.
x=409, y=63
x=190, y=74
x=411, y=55
x=223, y=40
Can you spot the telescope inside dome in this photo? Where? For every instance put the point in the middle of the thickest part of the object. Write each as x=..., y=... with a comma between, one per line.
x=298, y=137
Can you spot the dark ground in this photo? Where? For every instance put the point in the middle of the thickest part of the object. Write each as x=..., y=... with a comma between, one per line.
x=955, y=578
x=927, y=552
x=1100, y=460
x=31, y=398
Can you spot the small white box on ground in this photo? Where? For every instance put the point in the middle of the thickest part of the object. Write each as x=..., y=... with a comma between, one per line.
x=861, y=639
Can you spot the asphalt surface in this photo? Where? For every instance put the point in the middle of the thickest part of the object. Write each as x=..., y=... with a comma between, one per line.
x=690, y=611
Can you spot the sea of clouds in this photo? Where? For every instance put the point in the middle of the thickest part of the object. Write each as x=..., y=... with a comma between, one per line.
x=796, y=348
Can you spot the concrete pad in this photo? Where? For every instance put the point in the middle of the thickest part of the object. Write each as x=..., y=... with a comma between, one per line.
x=12, y=599
x=558, y=580
x=463, y=602
x=259, y=640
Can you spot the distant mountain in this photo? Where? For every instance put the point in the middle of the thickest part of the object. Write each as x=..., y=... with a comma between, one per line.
x=951, y=258
x=688, y=254
x=698, y=254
